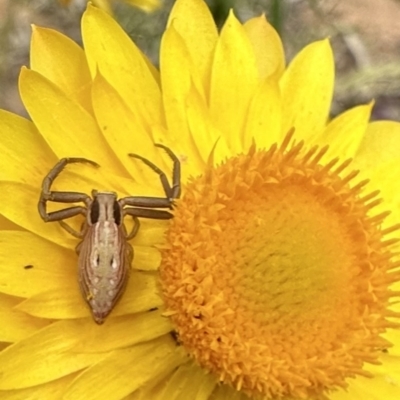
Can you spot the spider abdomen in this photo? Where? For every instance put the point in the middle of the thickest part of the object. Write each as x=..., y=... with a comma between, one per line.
x=104, y=264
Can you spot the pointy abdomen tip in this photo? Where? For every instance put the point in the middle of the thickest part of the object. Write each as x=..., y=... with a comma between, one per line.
x=100, y=318
x=100, y=310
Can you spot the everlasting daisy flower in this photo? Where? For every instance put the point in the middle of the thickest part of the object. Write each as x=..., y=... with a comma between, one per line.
x=277, y=278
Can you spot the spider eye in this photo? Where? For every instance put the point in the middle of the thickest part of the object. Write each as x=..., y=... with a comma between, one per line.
x=117, y=213
x=94, y=211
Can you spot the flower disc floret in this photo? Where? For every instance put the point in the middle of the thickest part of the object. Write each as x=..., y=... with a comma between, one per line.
x=277, y=276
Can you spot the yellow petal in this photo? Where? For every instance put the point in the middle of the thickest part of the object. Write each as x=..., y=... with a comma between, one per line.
x=56, y=115
x=21, y=364
x=120, y=331
x=28, y=217
x=345, y=132
x=48, y=391
x=111, y=51
x=194, y=23
x=267, y=46
x=226, y=392
x=123, y=332
x=70, y=73
x=264, y=120
x=145, y=5
x=52, y=267
x=307, y=88
x=234, y=80
x=147, y=257
x=378, y=160
x=7, y=225
x=393, y=337
x=150, y=234
x=204, y=133
x=178, y=76
x=141, y=295
x=66, y=302
x=61, y=303
x=384, y=385
x=124, y=134
x=20, y=165
x=126, y=371
x=15, y=325
x=22, y=148
x=189, y=381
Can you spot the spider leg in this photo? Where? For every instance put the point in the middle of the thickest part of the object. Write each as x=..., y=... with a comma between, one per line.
x=176, y=172
x=145, y=201
x=55, y=171
x=170, y=192
x=146, y=213
x=63, y=214
x=71, y=230
x=61, y=197
x=135, y=228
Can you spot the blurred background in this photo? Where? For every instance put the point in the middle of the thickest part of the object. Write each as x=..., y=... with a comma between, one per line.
x=365, y=35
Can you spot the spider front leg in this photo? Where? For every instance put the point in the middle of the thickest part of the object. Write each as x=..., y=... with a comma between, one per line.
x=62, y=197
x=145, y=206
x=137, y=212
x=171, y=193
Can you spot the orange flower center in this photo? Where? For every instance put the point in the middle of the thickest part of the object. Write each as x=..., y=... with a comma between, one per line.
x=276, y=277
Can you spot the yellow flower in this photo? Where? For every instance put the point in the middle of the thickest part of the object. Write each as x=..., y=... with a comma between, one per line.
x=279, y=271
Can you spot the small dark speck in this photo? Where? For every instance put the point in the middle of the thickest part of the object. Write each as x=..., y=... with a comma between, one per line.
x=153, y=309
x=105, y=127
x=175, y=336
x=385, y=351
x=28, y=266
